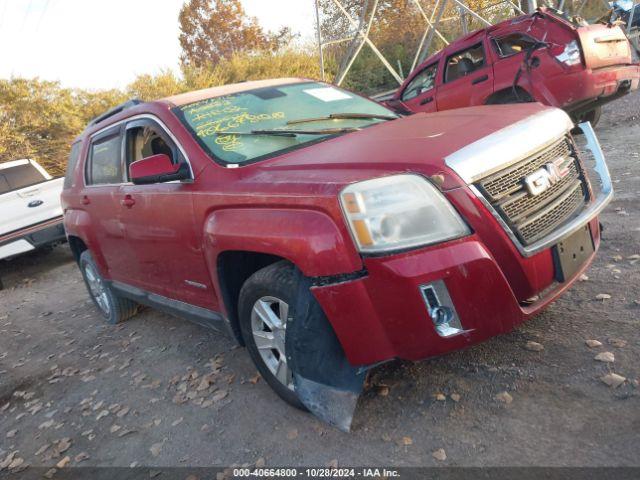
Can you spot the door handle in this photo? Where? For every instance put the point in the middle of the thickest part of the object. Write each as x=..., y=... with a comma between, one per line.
x=128, y=201
x=426, y=100
x=85, y=200
x=481, y=79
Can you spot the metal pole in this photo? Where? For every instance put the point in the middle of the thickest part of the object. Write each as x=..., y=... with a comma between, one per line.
x=463, y=21
x=342, y=74
x=436, y=24
x=474, y=14
x=319, y=40
x=379, y=54
x=426, y=19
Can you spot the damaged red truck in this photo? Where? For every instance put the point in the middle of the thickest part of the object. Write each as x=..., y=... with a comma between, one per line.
x=543, y=57
x=325, y=233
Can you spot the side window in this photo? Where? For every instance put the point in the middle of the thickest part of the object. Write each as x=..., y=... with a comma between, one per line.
x=465, y=62
x=422, y=82
x=513, y=44
x=145, y=139
x=71, y=164
x=106, y=164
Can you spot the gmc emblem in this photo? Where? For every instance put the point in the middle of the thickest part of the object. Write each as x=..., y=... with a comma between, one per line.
x=543, y=179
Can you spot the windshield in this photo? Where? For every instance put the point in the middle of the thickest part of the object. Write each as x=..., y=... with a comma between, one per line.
x=239, y=128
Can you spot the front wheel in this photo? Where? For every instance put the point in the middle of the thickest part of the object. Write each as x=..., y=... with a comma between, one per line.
x=266, y=303
x=113, y=307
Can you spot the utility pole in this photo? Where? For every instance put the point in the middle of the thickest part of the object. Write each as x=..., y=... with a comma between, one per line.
x=319, y=39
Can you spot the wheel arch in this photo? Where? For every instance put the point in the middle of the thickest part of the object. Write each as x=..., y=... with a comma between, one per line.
x=240, y=241
x=77, y=246
x=233, y=269
x=508, y=95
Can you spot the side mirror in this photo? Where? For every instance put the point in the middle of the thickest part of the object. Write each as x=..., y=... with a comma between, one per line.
x=157, y=169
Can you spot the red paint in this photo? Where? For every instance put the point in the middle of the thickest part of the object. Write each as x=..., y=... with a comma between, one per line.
x=158, y=236
x=597, y=76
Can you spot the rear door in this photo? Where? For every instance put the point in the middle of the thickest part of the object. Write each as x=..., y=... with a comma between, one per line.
x=509, y=51
x=420, y=93
x=467, y=78
x=100, y=199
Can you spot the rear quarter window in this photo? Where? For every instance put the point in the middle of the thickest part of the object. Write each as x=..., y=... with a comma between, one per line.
x=513, y=44
x=71, y=165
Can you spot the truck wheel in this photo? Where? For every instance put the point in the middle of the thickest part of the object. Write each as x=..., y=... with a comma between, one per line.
x=266, y=302
x=592, y=116
x=114, y=308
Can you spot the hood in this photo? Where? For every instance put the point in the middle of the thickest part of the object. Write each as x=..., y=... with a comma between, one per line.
x=419, y=143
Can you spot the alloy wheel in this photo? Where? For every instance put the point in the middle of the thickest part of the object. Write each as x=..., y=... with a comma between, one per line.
x=97, y=289
x=268, y=326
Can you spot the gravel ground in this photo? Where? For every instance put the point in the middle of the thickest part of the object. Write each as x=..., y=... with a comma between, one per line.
x=160, y=391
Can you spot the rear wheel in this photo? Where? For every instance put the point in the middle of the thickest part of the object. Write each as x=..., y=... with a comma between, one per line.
x=113, y=307
x=265, y=304
x=510, y=96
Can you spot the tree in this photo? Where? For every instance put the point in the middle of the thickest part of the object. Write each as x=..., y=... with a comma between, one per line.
x=39, y=119
x=211, y=30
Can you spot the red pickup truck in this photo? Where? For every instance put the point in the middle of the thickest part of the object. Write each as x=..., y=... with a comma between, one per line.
x=541, y=57
x=325, y=233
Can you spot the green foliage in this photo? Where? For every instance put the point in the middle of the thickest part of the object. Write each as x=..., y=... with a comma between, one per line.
x=39, y=119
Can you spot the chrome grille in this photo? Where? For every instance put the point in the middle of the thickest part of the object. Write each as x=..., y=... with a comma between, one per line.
x=531, y=217
x=509, y=180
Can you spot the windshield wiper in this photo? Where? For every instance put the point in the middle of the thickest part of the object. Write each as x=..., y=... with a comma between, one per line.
x=293, y=133
x=344, y=116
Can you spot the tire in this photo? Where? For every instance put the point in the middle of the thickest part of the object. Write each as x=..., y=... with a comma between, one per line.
x=508, y=97
x=270, y=294
x=592, y=116
x=112, y=307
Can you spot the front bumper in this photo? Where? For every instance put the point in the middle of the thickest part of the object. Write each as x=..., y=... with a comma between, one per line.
x=31, y=238
x=384, y=315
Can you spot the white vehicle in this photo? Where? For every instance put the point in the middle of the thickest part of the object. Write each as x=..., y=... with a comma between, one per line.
x=30, y=211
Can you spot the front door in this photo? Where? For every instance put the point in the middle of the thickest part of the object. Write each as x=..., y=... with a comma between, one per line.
x=166, y=255
x=467, y=79
x=420, y=93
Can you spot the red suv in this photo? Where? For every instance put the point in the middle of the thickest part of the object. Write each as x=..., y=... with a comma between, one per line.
x=325, y=233
x=541, y=57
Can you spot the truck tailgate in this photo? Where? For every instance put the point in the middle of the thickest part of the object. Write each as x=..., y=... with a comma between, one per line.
x=604, y=46
x=31, y=205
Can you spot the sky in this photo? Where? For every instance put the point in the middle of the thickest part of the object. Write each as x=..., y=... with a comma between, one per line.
x=100, y=44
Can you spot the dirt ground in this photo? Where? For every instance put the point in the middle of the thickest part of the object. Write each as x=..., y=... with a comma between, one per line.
x=160, y=391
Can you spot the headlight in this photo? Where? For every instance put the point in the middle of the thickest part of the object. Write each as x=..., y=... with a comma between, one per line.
x=401, y=211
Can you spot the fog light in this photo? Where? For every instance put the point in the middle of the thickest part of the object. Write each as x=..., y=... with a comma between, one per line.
x=441, y=309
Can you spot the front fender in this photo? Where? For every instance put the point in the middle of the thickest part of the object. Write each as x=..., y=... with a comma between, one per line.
x=309, y=239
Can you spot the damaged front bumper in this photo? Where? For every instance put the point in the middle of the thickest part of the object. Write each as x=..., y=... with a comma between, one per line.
x=430, y=301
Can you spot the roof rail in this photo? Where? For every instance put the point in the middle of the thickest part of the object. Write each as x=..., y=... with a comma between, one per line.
x=120, y=108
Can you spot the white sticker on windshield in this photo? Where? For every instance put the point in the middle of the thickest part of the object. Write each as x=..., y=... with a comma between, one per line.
x=328, y=94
